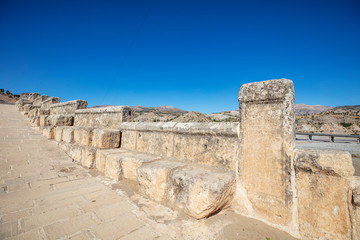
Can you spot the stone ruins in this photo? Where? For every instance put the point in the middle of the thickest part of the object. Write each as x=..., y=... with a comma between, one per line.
x=200, y=168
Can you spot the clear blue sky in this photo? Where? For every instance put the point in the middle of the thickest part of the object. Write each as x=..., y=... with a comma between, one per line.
x=194, y=55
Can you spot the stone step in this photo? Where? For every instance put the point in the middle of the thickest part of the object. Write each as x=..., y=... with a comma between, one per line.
x=119, y=163
x=197, y=190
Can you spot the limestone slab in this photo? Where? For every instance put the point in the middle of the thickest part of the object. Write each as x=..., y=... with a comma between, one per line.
x=101, y=155
x=88, y=157
x=43, y=121
x=103, y=117
x=75, y=152
x=67, y=108
x=106, y=138
x=199, y=191
x=128, y=138
x=83, y=136
x=48, y=132
x=58, y=135
x=131, y=162
x=60, y=120
x=155, y=142
x=68, y=134
x=217, y=151
x=45, y=105
x=323, y=184
x=113, y=168
x=153, y=178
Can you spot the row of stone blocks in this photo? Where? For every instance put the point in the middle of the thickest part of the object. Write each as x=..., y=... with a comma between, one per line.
x=197, y=190
x=89, y=137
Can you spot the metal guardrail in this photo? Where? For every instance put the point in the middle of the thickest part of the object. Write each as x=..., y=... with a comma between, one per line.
x=331, y=136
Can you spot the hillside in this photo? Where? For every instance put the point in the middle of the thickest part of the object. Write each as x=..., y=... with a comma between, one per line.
x=316, y=118
x=303, y=109
x=340, y=120
x=8, y=98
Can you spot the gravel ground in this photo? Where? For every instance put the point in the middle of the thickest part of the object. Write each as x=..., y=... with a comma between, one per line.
x=344, y=144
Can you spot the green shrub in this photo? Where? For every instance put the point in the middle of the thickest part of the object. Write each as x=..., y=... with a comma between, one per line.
x=346, y=125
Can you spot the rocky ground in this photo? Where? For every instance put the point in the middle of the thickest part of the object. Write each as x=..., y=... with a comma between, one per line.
x=339, y=121
x=8, y=98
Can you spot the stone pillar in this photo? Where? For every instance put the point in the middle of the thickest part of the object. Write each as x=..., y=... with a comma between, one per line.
x=267, y=143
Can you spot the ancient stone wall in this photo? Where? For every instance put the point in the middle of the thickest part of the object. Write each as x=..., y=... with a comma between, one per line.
x=105, y=117
x=67, y=108
x=38, y=101
x=200, y=168
x=324, y=182
x=213, y=144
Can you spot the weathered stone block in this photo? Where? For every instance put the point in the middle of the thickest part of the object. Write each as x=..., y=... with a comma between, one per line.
x=67, y=108
x=155, y=142
x=155, y=138
x=356, y=224
x=27, y=108
x=212, y=144
x=29, y=96
x=58, y=135
x=153, y=178
x=60, y=120
x=36, y=120
x=64, y=146
x=88, y=157
x=75, y=152
x=83, y=136
x=323, y=185
x=130, y=163
x=43, y=121
x=267, y=143
x=44, y=112
x=356, y=192
x=37, y=102
x=128, y=135
x=45, y=105
x=33, y=112
x=68, y=134
x=106, y=138
x=101, y=155
x=200, y=191
x=104, y=117
x=48, y=132
x=113, y=168
x=356, y=208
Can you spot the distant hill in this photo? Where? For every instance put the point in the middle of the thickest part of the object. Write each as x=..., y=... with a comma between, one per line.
x=309, y=118
x=161, y=109
x=192, y=117
x=303, y=109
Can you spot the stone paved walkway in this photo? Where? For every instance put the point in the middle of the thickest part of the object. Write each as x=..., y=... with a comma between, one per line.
x=44, y=195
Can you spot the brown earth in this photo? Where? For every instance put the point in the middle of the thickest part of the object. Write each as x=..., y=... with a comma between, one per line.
x=8, y=98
